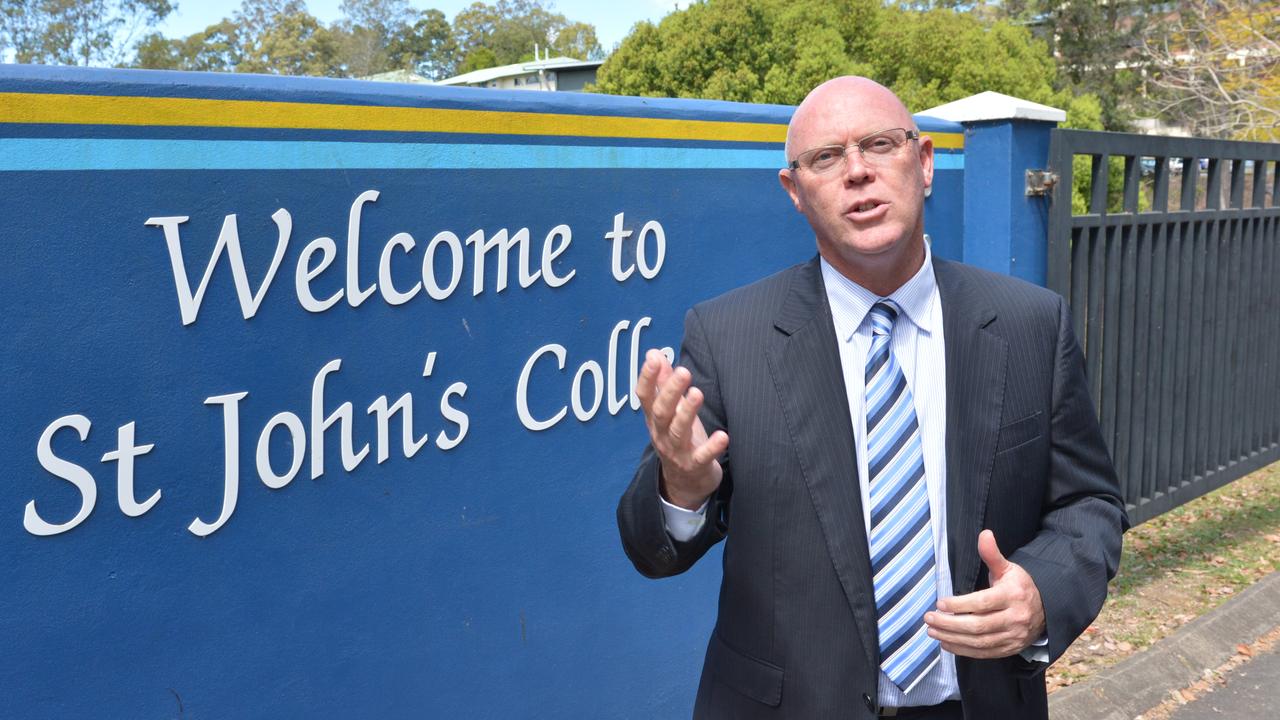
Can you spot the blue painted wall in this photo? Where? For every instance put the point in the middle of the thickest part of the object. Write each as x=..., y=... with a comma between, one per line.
x=481, y=577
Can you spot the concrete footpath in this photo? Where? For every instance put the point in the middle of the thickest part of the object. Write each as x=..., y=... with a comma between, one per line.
x=1145, y=680
x=1250, y=689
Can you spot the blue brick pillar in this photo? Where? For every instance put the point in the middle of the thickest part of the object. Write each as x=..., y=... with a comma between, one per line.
x=1004, y=228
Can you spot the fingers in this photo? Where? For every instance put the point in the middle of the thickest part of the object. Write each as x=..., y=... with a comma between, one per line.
x=961, y=625
x=670, y=393
x=990, y=553
x=982, y=601
x=982, y=636
x=686, y=410
x=979, y=646
x=712, y=448
x=655, y=364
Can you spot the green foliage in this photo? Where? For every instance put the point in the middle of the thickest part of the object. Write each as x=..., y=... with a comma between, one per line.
x=280, y=37
x=373, y=36
x=366, y=32
x=775, y=51
x=1094, y=44
x=214, y=49
x=427, y=47
x=769, y=51
x=478, y=59
x=509, y=30
x=76, y=32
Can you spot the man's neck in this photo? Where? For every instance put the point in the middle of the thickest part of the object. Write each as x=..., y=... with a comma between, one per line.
x=883, y=279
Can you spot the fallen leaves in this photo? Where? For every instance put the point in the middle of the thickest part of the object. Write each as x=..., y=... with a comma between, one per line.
x=1178, y=566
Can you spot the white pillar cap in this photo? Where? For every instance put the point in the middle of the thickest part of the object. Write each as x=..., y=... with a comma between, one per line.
x=994, y=106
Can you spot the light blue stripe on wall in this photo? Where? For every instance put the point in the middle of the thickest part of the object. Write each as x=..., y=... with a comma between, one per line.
x=127, y=154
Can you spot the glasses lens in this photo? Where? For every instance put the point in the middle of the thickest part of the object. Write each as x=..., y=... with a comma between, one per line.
x=883, y=143
x=823, y=158
x=876, y=150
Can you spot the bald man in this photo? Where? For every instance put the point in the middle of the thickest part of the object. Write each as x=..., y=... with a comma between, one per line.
x=900, y=453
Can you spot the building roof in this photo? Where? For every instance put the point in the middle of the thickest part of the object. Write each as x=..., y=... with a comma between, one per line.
x=477, y=77
x=401, y=76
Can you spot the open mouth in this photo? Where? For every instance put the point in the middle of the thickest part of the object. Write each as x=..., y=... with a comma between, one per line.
x=867, y=209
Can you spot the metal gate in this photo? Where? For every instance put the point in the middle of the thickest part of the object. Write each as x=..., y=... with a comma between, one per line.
x=1176, y=304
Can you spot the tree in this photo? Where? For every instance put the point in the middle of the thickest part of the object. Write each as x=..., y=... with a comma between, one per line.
x=76, y=32
x=294, y=43
x=263, y=36
x=427, y=47
x=214, y=49
x=775, y=51
x=577, y=40
x=1096, y=45
x=366, y=32
x=1215, y=69
x=508, y=31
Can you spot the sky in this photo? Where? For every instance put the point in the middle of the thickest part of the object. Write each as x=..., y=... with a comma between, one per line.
x=613, y=18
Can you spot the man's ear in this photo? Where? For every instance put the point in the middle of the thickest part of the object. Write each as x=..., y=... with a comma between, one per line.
x=789, y=184
x=926, y=159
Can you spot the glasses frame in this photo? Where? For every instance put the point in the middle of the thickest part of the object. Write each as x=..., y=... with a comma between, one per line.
x=911, y=135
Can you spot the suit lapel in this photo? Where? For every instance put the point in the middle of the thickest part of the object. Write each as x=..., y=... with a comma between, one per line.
x=806, y=370
x=975, y=362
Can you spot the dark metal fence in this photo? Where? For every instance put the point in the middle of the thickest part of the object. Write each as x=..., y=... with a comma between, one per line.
x=1172, y=277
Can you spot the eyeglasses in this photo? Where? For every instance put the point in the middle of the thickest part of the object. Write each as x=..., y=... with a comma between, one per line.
x=876, y=149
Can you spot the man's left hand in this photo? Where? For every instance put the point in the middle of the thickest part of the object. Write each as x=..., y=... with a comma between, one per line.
x=997, y=622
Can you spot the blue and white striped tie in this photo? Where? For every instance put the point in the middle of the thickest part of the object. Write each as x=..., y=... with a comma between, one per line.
x=901, y=535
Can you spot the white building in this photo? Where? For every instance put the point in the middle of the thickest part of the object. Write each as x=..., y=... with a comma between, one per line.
x=562, y=74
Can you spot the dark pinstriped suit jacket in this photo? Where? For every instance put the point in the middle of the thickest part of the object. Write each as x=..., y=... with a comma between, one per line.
x=796, y=631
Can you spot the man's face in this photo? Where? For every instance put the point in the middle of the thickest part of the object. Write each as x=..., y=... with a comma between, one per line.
x=868, y=217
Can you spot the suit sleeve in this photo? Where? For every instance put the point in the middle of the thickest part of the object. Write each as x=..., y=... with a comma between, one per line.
x=640, y=519
x=1077, y=551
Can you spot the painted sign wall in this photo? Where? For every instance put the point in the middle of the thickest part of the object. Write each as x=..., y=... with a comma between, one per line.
x=317, y=396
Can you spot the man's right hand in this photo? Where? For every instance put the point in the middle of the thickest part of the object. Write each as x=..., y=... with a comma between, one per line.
x=690, y=470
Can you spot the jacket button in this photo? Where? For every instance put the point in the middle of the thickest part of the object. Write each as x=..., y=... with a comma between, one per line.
x=871, y=705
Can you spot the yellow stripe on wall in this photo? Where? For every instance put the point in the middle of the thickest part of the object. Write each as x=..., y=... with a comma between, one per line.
x=47, y=108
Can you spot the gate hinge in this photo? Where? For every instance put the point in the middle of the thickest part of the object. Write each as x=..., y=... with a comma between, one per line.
x=1040, y=182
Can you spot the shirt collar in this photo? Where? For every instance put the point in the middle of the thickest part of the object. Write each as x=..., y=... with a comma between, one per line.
x=850, y=302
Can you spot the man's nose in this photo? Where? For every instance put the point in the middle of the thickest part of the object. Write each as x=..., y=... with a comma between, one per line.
x=856, y=169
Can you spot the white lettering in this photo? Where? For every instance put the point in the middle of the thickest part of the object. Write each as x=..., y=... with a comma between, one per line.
x=126, y=450
x=231, y=462
x=654, y=228
x=575, y=395
x=355, y=295
x=228, y=240
x=429, y=265
x=297, y=439
x=503, y=245
x=563, y=236
x=64, y=470
x=641, y=324
x=522, y=389
x=616, y=236
x=615, y=403
x=453, y=415
x=319, y=423
x=382, y=414
x=306, y=272
x=389, y=292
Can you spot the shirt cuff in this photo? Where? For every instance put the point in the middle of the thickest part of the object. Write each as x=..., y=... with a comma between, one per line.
x=1038, y=651
x=682, y=524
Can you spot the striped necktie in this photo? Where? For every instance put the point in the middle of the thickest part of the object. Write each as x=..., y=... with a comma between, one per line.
x=901, y=536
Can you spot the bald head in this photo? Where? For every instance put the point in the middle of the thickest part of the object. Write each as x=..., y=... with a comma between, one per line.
x=850, y=95
x=867, y=212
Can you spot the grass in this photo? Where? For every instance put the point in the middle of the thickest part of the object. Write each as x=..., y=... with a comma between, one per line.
x=1178, y=566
